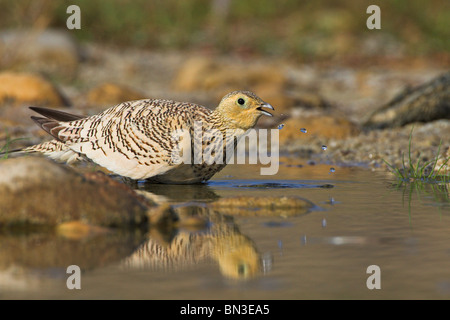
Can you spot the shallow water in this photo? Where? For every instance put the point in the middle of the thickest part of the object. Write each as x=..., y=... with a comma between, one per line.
x=359, y=220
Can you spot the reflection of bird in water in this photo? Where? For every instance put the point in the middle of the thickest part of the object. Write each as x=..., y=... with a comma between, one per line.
x=222, y=242
x=138, y=139
x=179, y=193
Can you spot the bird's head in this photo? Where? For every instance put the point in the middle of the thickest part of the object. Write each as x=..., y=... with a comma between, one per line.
x=242, y=109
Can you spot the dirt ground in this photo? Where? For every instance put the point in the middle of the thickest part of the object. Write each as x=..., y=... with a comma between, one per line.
x=331, y=100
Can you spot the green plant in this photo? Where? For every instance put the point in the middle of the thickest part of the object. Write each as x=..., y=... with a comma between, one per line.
x=4, y=151
x=423, y=172
x=297, y=29
x=437, y=193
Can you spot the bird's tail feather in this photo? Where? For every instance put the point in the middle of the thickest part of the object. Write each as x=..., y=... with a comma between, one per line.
x=53, y=149
x=51, y=124
x=5, y=154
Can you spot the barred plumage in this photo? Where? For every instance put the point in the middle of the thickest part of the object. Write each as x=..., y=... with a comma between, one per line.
x=137, y=139
x=221, y=243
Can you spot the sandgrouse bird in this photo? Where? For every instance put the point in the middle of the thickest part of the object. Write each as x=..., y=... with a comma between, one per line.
x=141, y=139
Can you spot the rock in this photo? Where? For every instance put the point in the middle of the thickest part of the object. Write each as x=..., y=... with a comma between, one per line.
x=108, y=94
x=276, y=96
x=28, y=88
x=77, y=230
x=308, y=100
x=189, y=77
x=284, y=102
x=52, y=52
x=318, y=126
x=42, y=251
x=443, y=164
x=37, y=192
x=262, y=206
x=268, y=80
x=424, y=103
x=203, y=73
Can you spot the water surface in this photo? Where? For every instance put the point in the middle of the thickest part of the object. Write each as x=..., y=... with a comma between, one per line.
x=359, y=220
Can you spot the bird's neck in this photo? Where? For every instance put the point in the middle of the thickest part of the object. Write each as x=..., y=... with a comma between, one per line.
x=216, y=121
x=225, y=121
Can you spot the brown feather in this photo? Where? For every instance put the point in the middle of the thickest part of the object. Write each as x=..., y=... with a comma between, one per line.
x=49, y=125
x=56, y=115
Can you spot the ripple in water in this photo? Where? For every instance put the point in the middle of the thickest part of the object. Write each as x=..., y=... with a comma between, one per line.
x=273, y=185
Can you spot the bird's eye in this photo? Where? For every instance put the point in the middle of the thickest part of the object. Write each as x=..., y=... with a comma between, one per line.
x=242, y=269
x=241, y=101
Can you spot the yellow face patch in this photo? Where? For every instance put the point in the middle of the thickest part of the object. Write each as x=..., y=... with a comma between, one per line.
x=237, y=257
x=241, y=108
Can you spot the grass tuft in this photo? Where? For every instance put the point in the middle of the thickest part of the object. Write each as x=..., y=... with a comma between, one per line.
x=420, y=172
x=5, y=150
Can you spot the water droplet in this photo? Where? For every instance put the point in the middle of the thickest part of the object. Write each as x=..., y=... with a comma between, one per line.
x=303, y=240
x=280, y=244
x=303, y=130
x=332, y=170
x=324, y=147
x=267, y=261
x=281, y=126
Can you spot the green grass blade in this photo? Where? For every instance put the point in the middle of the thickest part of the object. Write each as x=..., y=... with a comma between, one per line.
x=411, y=165
x=418, y=169
x=435, y=160
x=5, y=149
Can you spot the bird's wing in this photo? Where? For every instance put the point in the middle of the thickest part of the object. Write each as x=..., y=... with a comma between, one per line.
x=133, y=139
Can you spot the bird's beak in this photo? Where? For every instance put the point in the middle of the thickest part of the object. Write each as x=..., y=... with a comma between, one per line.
x=265, y=105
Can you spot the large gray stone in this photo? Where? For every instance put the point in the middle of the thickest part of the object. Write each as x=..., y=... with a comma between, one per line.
x=52, y=52
x=37, y=192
